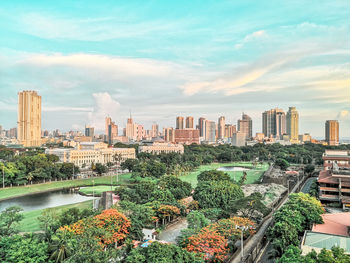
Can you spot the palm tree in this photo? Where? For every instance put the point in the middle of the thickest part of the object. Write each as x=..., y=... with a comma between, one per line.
x=60, y=247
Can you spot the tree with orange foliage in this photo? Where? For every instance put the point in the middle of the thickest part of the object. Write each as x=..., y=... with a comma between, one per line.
x=114, y=223
x=209, y=244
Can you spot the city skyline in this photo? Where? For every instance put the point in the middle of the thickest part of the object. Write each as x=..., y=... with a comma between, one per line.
x=161, y=61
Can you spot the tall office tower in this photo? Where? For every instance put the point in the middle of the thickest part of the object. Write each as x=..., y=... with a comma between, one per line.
x=247, y=118
x=89, y=131
x=210, y=131
x=293, y=124
x=179, y=123
x=169, y=134
x=332, y=132
x=29, y=118
x=201, y=124
x=221, y=127
x=155, y=130
x=229, y=130
x=111, y=130
x=189, y=122
x=280, y=123
x=131, y=131
x=274, y=123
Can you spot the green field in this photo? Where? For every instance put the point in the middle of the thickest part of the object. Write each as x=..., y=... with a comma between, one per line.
x=98, y=190
x=31, y=223
x=30, y=189
x=252, y=175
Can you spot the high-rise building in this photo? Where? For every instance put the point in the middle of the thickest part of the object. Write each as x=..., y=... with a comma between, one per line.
x=89, y=131
x=221, y=127
x=229, y=130
x=274, y=123
x=201, y=125
x=239, y=138
x=249, y=121
x=332, y=132
x=189, y=122
x=29, y=118
x=187, y=136
x=111, y=130
x=210, y=131
x=155, y=130
x=293, y=124
x=131, y=131
x=169, y=134
x=179, y=123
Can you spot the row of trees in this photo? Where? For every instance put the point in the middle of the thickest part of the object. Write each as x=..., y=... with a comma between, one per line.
x=299, y=213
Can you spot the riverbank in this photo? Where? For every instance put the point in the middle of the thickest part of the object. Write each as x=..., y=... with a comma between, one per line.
x=30, y=222
x=253, y=175
x=17, y=191
x=97, y=190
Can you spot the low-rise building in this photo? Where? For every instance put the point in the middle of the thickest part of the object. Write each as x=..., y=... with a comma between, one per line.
x=159, y=147
x=334, y=180
x=333, y=232
x=87, y=153
x=187, y=136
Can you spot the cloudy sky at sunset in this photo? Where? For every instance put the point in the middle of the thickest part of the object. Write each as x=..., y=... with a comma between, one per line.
x=161, y=58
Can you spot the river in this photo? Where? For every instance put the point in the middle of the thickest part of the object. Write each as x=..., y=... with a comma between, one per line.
x=44, y=200
x=232, y=169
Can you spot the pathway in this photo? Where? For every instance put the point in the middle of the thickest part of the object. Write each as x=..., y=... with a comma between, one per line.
x=173, y=231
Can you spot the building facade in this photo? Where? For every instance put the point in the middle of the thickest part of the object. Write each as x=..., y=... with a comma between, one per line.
x=88, y=153
x=332, y=132
x=274, y=123
x=221, y=127
x=334, y=179
x=179, y=123
x=293, y=125
x=159, y=148
x=189, y=122
x=29, y=118
x=210, y=131
x=187, y=136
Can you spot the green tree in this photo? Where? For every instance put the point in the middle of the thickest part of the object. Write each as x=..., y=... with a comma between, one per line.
x=250, y=206
x=282, y=163
x=27, y=248
x=213, y=175
x=176, y=186
x=61, y=246
x=9, y=219
x=129, y=164
x=162, y=253
x=217, y=194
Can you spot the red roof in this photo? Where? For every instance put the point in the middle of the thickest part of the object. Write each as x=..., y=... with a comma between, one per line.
x=334, y=224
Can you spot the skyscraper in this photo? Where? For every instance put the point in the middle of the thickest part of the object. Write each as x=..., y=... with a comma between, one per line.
x=221, y=127
x=274, y=123
x=155, y=130
x=247, y=118
x=332, y=132
x=210, y=130
x=293, y=124
x=201, y=124
x=89, y=131
x=111, y=130
x=29, y=118
x=179, y=123
x=189, y=122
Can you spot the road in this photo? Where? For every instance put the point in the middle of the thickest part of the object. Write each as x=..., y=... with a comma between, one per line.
x=307, y=185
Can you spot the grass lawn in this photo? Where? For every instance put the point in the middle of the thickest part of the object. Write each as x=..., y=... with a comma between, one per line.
x=97, y=189
x=252, y=175
x=31, y=223
x=20, y=190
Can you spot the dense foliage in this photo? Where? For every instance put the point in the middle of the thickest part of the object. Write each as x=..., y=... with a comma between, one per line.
x=298, y=214
x=162, y=253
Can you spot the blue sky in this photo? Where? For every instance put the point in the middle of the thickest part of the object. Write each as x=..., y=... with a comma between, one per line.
x=160, y=59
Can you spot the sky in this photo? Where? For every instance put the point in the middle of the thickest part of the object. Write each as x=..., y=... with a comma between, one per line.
x=161, y=59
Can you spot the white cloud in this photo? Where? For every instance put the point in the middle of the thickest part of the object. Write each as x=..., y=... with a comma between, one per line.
x=344, y=115
x=104, y=105
x=64, y=108
x=251, y=37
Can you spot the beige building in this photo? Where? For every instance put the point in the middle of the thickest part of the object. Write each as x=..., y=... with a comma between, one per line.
x=87, y=153
x=179, y=123
x=158, y=148
x=189, y=122
x=221, y=127
x=239, y=139
x=292, y=123
x=29, y=118
x=332, y=132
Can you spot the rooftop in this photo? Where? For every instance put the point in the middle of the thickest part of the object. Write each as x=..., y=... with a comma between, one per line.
x=327, y=241
x=335, y=224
